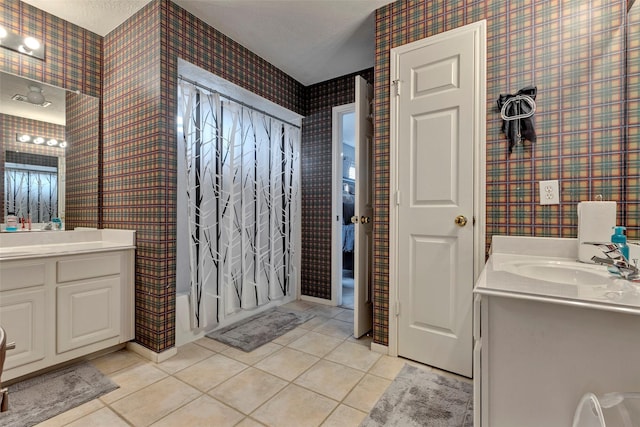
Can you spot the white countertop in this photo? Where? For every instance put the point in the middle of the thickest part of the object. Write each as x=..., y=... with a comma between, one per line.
x=25, y=245
x=593, y=287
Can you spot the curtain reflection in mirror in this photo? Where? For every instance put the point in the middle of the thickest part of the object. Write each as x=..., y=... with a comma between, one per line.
x=31, y=189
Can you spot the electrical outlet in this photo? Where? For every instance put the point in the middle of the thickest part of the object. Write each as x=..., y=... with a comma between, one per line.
x=549, y=193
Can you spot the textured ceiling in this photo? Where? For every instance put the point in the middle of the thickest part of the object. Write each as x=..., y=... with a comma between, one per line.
x=311, y=40
x=98, y=16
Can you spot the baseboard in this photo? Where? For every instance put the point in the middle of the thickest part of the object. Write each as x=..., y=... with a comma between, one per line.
x=150, y=354
x=317, y=300
x=379, y=348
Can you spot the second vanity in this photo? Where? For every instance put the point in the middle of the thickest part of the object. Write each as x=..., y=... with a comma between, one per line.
x=547, y=330
x=64, y=295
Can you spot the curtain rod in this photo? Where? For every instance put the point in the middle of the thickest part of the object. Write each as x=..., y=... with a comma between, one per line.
x=180, y=77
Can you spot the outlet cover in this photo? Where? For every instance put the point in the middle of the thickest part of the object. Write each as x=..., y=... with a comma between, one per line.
x=549, y=192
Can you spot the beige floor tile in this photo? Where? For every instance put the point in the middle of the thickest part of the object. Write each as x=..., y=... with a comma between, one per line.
x=252, y=357
x=325, y=310
x=299, y=305
x=150, y=404
x=104, y=417
x=133, y=379
x=295, y=407
x=249, y=422
x=287, y=363
x=202, y=412
x=335, y=328
x=354, y=355
x=387, y=367
x=188, y=354
x=290, y=336
x=248, y=390
x=113, y=362
x=72, y=414
x=344, y=416
x=316, y=344
x=367, y=393
x=314, y=322
x=364, y=340
x=210, y=372
x=330, y=379
x=345, y=316
x=211, y=344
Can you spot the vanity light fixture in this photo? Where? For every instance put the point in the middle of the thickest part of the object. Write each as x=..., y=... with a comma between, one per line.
x=26, y=45
x=39, y=140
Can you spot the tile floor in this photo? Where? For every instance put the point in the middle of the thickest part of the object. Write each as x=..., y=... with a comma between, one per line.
x=315, y=375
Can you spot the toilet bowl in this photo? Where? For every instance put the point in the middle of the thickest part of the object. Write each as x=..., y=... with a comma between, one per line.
x=4, y=393
x=608, y=410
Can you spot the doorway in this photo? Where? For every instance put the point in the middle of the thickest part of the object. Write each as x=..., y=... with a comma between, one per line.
x=437, y=175
x=344, y=175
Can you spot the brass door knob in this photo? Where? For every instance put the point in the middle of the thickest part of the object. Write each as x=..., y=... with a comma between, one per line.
x=365, y=220
x=460, y=220
x=354, y=219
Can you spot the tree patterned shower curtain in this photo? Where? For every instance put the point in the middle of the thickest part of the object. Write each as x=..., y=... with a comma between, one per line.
x=240, y=175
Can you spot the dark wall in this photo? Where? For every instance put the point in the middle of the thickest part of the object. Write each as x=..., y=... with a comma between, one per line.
x=317, y=180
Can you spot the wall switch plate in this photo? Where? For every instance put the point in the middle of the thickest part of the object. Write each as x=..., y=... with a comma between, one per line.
x=549, y=192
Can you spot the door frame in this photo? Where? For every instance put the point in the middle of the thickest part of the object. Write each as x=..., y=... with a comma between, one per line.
x=479, y=160
x=336, y=198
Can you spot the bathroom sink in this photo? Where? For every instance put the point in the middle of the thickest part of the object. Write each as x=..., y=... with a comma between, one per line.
x=558, y=271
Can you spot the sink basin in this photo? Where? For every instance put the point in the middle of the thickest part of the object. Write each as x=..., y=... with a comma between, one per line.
x=566, y=272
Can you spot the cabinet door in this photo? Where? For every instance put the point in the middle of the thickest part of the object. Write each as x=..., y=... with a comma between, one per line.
x=22, y=316
x=87, y=312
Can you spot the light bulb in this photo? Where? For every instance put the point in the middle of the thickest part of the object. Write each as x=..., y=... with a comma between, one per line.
x=52, y=142
x=24, y=138
x=31, y=43
x=3, y=32
x=38, y=140
x=63, y=144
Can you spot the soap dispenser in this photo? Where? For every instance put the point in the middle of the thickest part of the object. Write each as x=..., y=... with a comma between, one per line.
x=620, y=240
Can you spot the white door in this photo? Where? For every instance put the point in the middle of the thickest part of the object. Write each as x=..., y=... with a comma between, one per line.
x=437, y=98
x=363, y=245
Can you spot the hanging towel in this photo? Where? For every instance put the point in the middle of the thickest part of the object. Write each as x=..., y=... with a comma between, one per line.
x=520, y=129
x=348, y=237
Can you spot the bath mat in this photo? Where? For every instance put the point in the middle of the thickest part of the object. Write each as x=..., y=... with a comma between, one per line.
x=421, y=398
x=260, y=329
x=39, y=398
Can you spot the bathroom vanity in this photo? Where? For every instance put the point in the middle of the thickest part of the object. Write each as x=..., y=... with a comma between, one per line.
x=64, y=294
x=548, y=329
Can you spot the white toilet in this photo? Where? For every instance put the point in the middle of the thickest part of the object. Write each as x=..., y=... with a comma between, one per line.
x=609, y=410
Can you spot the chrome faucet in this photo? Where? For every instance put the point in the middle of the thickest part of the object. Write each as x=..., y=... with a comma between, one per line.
x=617, y=262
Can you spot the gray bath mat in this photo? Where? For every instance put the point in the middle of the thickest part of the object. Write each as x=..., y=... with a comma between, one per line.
x=420, y=398
x=45, y=396
x=260, y=329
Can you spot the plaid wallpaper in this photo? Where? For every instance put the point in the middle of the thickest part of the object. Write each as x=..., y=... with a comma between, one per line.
x=139, y=159
x=73, y=55
x=573, y=51
x=83, y=180
x=316, y=178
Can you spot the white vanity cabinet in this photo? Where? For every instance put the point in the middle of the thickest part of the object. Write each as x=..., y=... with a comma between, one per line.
x=64, y=301
x=540, y=346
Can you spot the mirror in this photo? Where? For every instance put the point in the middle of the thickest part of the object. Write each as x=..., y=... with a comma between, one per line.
x=33, y=172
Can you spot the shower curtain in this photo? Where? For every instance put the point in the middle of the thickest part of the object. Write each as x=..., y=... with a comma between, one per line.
x=240, y=174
